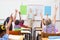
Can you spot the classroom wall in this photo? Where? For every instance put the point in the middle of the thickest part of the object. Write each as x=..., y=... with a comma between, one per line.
x=8, y=6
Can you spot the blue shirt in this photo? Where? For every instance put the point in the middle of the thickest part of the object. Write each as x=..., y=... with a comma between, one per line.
x=5, y=37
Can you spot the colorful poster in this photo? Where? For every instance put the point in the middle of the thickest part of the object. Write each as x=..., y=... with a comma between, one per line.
x=23, y=9
x=47, y=10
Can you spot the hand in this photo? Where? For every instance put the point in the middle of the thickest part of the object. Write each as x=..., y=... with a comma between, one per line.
x=56, y=8
x=16, y=11
x=11, y=18
x=30, y=10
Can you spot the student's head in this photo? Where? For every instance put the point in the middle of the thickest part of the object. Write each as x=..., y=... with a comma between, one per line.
x=2, y=29
x=22, y=22
x=46, y=21
x=43, y=21
x=17, y=22
x=49, y=21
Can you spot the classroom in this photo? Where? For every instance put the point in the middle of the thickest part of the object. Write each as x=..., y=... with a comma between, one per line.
x=29, y=19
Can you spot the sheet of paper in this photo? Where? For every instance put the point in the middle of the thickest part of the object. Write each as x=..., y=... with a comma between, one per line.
x=16, y=37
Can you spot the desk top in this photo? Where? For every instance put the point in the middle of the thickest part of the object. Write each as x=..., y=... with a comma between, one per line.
x=16, y=37
x=38, y=28
x=46, y=34
x=25, y=32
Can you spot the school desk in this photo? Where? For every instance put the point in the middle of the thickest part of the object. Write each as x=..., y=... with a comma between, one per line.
x=45, y=36
x=16, y=37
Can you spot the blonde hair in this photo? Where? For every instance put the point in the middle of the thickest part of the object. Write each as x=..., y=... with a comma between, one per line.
x=47, y=22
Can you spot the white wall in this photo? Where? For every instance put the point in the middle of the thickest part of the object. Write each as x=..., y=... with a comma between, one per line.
x=8, y=6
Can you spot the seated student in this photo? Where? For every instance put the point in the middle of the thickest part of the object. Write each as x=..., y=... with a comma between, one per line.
x=49, y=24
x=4, y=31
x=22, y=24
x=15, y=20
x=18, y=22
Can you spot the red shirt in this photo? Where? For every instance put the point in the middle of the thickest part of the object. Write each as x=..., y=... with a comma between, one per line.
x=22, y=25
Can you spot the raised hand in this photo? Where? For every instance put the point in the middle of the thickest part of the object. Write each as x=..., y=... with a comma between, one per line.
x=8, y=24
x=30, y=10
x=54, y=18
x=56, y=8
x=41, y=15
x=11, y=18
x=36, y=12
x=16, y=11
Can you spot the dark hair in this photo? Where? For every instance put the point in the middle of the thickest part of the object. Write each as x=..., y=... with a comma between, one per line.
x=2, y=29
x=22, y=21
x=7, y=20
x=17, y=22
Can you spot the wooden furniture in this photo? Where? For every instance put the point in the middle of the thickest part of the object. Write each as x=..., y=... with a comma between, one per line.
x=16, y=35
x=24, y=30
x=27, y=33
x=45, y=36
x=37, y=29
x=15, y=32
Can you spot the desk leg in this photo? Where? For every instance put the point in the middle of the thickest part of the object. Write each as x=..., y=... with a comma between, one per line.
x=28, y=37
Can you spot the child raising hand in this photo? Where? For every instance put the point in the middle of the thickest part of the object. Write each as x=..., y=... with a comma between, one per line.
x=4, y=31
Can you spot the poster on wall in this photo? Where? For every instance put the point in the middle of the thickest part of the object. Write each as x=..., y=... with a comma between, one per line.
x=47, y=10
x=23, y=9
